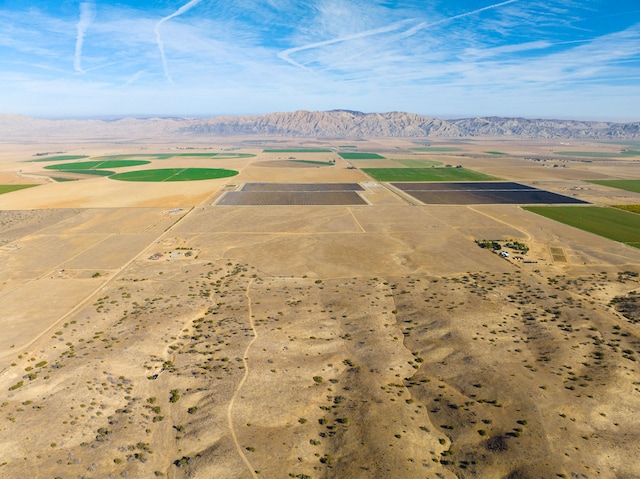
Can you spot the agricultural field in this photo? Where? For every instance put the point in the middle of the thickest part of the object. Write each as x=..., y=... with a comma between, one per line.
x=263, y=194
x=627, y=185
x=174, y=174
x=96, y=165
x=482, y=193
x=10, y=188
x=632, y=208
x=354, y=155
x=426, y=174
x=59, y=158
x=617, y=225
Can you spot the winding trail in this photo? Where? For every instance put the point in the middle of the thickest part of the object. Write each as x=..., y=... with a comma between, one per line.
x=241, y=383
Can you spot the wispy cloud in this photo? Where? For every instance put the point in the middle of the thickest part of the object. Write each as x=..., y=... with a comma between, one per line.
x=87, y=16
x=400, y=27
x=288, y=54
x=185, y=8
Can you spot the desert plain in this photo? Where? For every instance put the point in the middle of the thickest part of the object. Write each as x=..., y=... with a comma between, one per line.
x=151, y=330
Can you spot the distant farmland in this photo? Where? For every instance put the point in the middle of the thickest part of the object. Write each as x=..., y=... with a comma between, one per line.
x=354, y=155
x=426, y=174
x=174, y=174
x=96, y=165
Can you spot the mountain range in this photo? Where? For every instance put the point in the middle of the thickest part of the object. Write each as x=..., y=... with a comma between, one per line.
x=322, y=124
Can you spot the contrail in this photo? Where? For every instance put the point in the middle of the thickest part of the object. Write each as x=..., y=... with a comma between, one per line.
x=186, y=7
x=134, y=78
x=286, y=55
x=414, y=30
x=87, y=15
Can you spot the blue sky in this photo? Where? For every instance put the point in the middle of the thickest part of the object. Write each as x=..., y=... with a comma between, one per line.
x=575, y=59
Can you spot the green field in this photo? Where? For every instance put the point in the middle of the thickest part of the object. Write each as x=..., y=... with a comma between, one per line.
x=627, y=185
x=437, y=149
x=635, y=144
x=90, y=172
x=59, y=179
x=96, y=165
x=60, y=158
x=495, y=153
x=615, y=224
x=297, y=150
x=354, y=155
x=174, y=174
x=10, y=188
x=419, y=163
x=426, y=174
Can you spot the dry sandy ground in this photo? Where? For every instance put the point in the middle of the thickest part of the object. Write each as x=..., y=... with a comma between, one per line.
x=148, y=332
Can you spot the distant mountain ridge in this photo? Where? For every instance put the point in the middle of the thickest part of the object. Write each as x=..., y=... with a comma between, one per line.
x=334, y=123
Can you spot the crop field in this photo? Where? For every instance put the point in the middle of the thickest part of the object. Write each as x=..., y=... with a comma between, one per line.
x=291, y=198
x=174, y=174
x=482, y=193
x=615, y=224
x=495, y=152
x=90, y=172
x=59, y=158
x=297, y=150
x=627, y=185
x=10, y=188
x=96, y=165
x=426, y=174
x=354, y=155
x=265, y=187
x=294, y=194
x=631, y=208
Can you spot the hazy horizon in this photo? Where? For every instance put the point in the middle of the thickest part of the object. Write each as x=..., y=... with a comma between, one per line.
x=539, y=60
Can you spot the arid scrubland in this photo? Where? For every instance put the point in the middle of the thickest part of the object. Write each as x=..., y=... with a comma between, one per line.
x=173, y=337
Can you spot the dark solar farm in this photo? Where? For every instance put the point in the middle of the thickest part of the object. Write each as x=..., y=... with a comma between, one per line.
x=482, y=193
x=294, y=194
